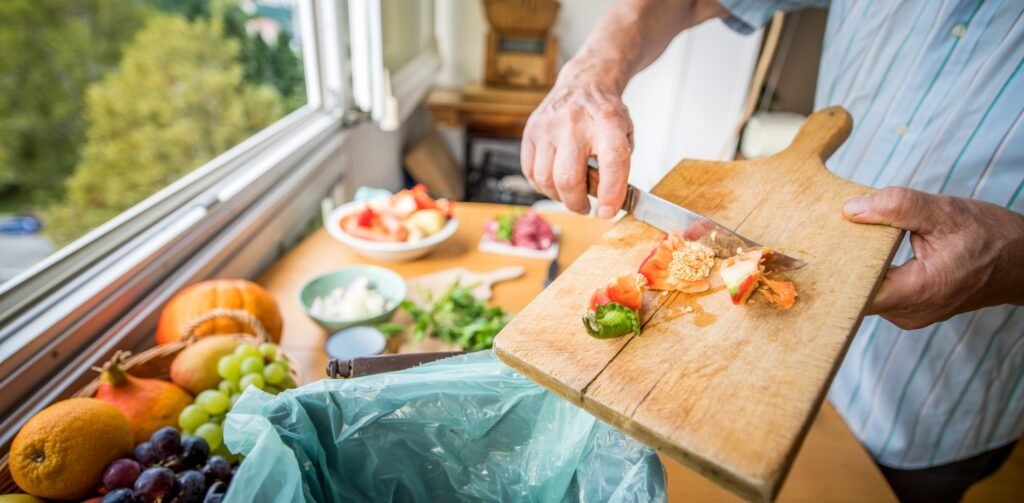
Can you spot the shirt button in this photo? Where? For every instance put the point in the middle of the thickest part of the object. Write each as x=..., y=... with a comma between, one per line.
x=959, y=30
x=901, y=129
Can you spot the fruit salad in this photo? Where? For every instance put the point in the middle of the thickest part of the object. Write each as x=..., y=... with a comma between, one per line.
x=408, y=216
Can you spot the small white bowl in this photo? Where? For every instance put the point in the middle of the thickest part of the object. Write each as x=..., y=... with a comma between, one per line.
x=386, y=251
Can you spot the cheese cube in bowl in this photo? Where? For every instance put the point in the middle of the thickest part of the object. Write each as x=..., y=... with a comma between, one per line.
x=357, y=295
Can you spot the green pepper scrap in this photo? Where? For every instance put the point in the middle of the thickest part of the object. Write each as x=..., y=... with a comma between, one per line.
x=611, y=320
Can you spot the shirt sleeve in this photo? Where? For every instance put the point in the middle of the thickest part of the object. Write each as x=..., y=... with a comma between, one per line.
x=745, y=16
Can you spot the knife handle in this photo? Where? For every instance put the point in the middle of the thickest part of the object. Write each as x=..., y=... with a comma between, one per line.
x=593, y=176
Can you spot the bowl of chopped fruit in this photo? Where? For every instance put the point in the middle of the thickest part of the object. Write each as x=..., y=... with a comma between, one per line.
x=403, y=226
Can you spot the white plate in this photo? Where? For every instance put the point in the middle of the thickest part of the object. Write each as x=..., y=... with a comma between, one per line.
x=551, y=253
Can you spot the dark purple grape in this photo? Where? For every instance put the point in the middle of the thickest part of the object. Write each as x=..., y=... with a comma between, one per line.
x=217, y=468
x=123, y=495
x=194, y=451
x=155, y=484
x=174, y=463
x=216, y=493
x=146, y=454
x=167, y=441
x=121, y=473
x=191, y=487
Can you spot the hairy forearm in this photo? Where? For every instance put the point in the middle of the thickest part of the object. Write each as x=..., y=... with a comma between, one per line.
x=631, y=35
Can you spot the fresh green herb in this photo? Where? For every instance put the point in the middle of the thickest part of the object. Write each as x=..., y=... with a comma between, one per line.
x=457, y=317
x=507, y=225
x=611, y=320
x=390, y=329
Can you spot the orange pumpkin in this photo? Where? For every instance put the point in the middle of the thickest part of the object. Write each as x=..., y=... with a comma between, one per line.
x=201, y=297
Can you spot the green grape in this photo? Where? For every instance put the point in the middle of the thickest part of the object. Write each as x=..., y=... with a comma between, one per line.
x=227, y=387
x=229, y=367
x=268, y=350
x=287, y=382
x=224, y=452
x=211, y=433
x=234, y=398
x=213, y=401
x=283, y=363
x=246, y=350
x=191, y=417
x=274, y=373
x=252, y=365
x=217, y=419
x=252, y=379
x=273, y=390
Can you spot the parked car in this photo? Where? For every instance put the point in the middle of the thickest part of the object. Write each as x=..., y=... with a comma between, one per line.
x=20, y=225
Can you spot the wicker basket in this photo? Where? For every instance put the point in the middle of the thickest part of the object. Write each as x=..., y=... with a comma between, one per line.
x=521, y=17
x=155, y=363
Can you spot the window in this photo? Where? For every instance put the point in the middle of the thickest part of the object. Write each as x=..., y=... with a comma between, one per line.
x=106, y=102
x=393, y=55
x=407, y=30
x=213, y=128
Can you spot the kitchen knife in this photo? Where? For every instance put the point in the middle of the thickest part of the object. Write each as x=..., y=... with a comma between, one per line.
x=669, y=217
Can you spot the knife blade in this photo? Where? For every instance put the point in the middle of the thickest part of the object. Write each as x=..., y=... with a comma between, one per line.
x=669, y=217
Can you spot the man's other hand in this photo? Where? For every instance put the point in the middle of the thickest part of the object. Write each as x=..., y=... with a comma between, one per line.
x=968, y=254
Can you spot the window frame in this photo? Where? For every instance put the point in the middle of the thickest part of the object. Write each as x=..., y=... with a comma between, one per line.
x=101, y=292
x=389, y=97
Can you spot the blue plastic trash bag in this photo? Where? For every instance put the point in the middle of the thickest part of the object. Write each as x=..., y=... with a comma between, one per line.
x=466, y=428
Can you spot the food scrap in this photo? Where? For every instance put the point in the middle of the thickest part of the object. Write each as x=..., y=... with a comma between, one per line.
x=678, y=264
x=615, y=309
x=681, y=265
x=409, y=215
x=744, y=273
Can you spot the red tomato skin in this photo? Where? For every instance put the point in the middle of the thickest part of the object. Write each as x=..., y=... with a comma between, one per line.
x=445, y=206
x=746, y=288
x=423, y=199
x=365, y=218
x=623, y=290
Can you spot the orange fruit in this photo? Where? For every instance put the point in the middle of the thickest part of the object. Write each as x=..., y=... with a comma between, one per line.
x=62, y=451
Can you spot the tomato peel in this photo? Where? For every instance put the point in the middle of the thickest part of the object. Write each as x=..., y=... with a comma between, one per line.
x=780, y=293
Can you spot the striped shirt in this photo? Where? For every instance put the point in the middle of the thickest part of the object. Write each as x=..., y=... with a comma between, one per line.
x=937, y=97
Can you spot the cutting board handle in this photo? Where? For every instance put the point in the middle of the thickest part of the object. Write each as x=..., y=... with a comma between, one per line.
x=821, y=134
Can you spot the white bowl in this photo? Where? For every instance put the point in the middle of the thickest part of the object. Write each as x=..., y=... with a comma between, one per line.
x=386, y=251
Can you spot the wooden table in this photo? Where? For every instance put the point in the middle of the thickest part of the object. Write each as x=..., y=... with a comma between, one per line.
x=831, y=465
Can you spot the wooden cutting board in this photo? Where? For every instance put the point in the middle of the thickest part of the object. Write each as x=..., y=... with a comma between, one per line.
x=728, y=390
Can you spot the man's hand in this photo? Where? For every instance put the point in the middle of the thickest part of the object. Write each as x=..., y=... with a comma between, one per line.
x=576, y=120
x=968, y=254
x=583, y=115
